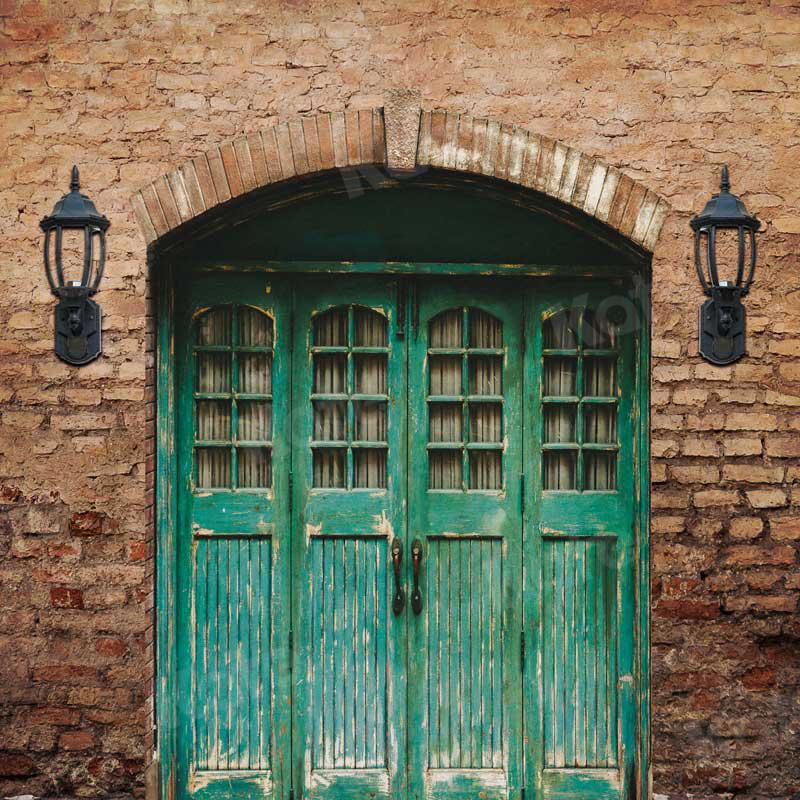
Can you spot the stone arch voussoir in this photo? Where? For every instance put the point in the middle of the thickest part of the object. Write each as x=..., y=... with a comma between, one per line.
x=401, y=136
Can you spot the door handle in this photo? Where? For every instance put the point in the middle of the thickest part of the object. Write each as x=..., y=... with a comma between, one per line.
x=416, y=560
x=399, y=595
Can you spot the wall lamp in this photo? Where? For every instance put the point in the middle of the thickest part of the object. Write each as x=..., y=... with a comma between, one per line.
x=724, y=224
x=78, y=319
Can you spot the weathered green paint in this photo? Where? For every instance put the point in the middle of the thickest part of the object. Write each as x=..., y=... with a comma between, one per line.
x=465, y=734
x=324, y=573
x=350, y=674
x=166, y=514
x=579, y=562
x=233, y=561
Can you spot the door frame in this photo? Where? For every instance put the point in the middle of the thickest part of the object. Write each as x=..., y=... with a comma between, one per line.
x=165, y=274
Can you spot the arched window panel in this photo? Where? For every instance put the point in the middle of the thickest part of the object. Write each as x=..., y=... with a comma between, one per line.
x=233, y=356
x=465, y=401
x=580, y=400
x=350, y=398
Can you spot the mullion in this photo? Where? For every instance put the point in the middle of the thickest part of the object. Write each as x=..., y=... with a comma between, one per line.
x=465, y=401
x=212, y=348
x=254, y=348
x=485, y=398
x=349, y=386
x=234, y=403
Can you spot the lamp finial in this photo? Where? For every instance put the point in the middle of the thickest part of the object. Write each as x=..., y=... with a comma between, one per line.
x=75, y=183
x=725, y=182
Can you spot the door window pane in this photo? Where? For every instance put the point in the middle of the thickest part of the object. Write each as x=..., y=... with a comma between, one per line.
x=370, y=374
x=213, y=420
x=598, y=332
x=330, y=328
x=330, y=373
x=560, y=424
x=370, y=328
x=486, y=422
x=213, y=373
x=445, y=422
x=444, y=469
x=560, y=376
x=466, y=420
x=330, y=470
x=214, y=327
x=233, y=357
x=485, y=375
x=445, y=378
x=559, y=332
x=579, y=439
x=330, y=421
x=369, y=417
x=446, y=330
x=485, y=470
x=255, y=467
x=351, y=361
x=213, y=467
x=600, y=471
x=559, y=469
x=600, y=424
x=599, y=377
x=255, y=421
x=255, y=373
x=255, y=328
x=370, y=468
x=485, y=331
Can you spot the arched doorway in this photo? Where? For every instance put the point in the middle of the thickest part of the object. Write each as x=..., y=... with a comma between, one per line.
x=362, y=378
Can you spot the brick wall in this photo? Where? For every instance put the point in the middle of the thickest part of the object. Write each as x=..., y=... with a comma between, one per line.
x=667, y=92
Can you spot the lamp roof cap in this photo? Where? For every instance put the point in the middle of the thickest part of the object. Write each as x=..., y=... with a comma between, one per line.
x=74, y=210
x=725, y=210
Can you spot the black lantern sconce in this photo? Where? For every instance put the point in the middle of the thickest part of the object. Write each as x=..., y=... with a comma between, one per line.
x=78, y=318
x=722, y=316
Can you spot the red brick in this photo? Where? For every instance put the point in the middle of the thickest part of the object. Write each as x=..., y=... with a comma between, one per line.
x=75, y=674
x=759, y=679
x=687, y=609
x=16, y=765
x=89, y=523
x=64, y=597
x=109, y=646
x=76, y=740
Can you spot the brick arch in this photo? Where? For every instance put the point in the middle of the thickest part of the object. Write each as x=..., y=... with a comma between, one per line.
x=401, y=136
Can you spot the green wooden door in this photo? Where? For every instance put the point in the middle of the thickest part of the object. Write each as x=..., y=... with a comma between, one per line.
x=233, y=538
x=465, y=448
x=477, y=432
x=580, y=589
x=349, y=475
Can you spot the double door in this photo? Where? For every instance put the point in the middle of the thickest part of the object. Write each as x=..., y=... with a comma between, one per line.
x=370, y=604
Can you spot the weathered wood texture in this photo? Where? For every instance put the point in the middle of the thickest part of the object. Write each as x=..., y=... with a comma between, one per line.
x=442, y=368
x=349, y=617
x=464, y=580
x=579, y=672
x=232, y=653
